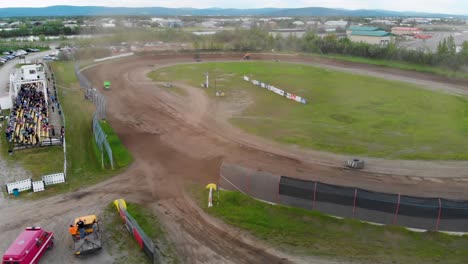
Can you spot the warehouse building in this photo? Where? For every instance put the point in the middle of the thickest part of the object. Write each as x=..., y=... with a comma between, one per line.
x=370, y=35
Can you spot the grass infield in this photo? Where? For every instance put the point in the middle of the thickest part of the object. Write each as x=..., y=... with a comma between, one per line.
x=346, y=113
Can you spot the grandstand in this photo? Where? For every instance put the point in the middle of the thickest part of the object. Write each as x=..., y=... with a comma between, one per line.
x=30, y=122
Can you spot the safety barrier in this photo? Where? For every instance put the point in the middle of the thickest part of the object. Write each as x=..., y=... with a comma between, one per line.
x=38, y=186
x=383, y=208
x=24, y=185
x=140, y=236
x=53, y=178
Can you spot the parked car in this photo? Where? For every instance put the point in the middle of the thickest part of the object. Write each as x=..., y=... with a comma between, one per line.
x=21, y=52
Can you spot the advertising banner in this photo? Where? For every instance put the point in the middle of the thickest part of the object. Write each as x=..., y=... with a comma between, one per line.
x=277, y=91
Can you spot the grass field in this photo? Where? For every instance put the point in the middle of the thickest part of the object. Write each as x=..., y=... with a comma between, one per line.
x=305, y=233
x=346, y=113
x=38, y=161
x=122, y=156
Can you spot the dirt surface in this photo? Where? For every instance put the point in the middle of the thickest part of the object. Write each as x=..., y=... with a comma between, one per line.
x=177, y=140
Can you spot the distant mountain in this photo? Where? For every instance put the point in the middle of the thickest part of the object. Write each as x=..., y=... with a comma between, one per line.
x=163, y=11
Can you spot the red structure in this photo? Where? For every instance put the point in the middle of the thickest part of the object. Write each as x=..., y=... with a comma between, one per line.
x=406, y=31
x=422, y=36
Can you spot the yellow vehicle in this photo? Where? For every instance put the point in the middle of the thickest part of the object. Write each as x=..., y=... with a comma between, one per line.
x=87, y=240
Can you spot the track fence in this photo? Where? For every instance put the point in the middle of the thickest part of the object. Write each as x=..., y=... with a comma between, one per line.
x=383, y=208
x=99, y=101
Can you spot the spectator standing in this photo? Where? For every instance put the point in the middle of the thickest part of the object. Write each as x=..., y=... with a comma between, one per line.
x=80, y=225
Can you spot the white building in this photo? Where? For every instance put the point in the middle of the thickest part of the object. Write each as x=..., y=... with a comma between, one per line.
x=336, y=23
x=33, y=73
x=298, y=23
x=107, y=25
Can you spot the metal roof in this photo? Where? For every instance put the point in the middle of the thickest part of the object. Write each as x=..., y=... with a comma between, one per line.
x=358, y=28
x=407, y=28
x=371, y=33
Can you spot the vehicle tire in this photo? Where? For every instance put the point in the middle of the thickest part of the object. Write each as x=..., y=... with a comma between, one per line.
x=355, y=163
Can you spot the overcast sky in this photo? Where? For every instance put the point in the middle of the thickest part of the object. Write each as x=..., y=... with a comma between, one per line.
x=433, y=6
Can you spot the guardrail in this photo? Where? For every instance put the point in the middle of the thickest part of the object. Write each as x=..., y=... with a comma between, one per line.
x=145, y=243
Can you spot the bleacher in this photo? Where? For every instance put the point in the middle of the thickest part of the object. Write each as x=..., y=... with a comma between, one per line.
x=28, y=123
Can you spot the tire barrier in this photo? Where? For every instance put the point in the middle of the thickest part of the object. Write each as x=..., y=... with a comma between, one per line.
x=355, y=163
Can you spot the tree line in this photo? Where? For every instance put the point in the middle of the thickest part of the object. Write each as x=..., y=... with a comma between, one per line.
x=256, y=39
x=50, y=28
x=260, y=40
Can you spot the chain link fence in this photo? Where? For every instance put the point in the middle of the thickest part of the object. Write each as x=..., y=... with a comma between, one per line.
x=101, y=141
x=99, y=101
x=383, y=208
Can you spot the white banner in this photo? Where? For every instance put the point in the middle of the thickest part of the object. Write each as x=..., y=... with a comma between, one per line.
x=277, y=91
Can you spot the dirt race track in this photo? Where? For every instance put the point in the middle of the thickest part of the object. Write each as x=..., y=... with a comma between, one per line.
x=177, y=140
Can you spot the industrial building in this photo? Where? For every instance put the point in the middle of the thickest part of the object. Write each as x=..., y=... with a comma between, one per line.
x=370, y=35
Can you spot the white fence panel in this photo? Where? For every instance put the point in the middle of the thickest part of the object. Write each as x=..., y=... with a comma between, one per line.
x=53, y=178
x=20, y=185
x=38, y=186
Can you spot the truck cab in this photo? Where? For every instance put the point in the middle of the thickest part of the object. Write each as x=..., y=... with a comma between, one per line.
x=29, y=247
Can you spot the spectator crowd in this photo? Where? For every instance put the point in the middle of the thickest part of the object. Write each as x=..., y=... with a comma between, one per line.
x=29, y=120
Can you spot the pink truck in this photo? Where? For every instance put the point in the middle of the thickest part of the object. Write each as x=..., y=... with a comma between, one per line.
x=29, y=247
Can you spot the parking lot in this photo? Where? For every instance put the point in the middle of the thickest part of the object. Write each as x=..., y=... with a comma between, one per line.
x=460, y=35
